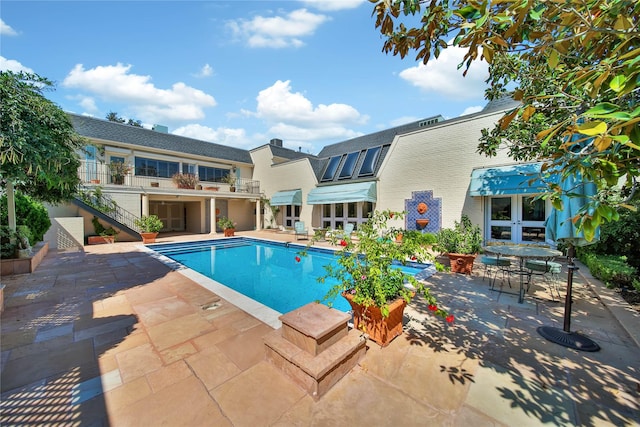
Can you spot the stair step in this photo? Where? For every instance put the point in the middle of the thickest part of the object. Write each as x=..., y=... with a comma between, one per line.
x=315, y=373
x=314, y=327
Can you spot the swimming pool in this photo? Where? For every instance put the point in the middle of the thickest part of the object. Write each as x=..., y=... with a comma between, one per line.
x=266, y=271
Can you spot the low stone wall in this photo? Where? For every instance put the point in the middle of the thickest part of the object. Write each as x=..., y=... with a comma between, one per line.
x=24, y=265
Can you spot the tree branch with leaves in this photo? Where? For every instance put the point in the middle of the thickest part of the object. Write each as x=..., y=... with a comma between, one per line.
x=574, y=66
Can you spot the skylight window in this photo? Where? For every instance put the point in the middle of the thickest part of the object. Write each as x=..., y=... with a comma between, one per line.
x=331, y=169
x=349, y=165
x=370, y=160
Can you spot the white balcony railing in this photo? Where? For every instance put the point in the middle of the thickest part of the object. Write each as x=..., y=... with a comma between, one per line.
x=98, y=173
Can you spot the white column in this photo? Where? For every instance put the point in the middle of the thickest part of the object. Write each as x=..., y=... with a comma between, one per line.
x=212, y=217
x=258, y=216
x=145, y=204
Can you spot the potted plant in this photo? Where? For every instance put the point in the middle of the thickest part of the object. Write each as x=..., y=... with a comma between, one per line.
x=118, y=171
x=228, y=226
x=461, y=244
x=231, y=180
x=103, y=235
x=185, y=180
x=369, y=278
x=150, y=226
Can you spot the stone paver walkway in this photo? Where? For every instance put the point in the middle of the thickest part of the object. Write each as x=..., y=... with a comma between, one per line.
x=111, y=336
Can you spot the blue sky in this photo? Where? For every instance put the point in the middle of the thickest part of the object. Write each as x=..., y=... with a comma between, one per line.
x=237, y=73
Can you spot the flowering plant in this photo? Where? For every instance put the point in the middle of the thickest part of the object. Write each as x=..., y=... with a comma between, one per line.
x=368, y=266
x=185, y=180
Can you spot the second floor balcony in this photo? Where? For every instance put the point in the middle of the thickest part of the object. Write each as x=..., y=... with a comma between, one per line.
x=98, y=173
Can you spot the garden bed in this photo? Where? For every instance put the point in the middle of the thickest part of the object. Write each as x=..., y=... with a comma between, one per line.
x=24, y=265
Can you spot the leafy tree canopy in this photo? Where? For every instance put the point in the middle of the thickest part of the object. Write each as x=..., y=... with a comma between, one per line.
x=38, y=144
x=114, y=117
x=574, y=65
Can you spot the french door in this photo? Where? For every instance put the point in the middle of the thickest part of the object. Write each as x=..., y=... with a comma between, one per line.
x=291, y=215
x=516, y=218
x=337, y=215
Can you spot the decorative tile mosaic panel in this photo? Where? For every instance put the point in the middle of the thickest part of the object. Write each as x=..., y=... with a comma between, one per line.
x=433, y=213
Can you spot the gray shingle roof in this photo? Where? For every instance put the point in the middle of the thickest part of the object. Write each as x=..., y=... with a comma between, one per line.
x=91, y=127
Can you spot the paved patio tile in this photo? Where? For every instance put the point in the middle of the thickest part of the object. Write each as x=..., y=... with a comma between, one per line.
x=137, y=362
x=179, y=330
x=150, y=346
x=246, y=348
x=185, y=403
x=212, y=367
x=168, y=375
x=159, y=311
x=258, y=396
x=515, y=400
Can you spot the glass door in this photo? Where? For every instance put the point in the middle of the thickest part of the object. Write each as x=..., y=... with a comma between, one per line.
x=516, y=219
x=291, y=215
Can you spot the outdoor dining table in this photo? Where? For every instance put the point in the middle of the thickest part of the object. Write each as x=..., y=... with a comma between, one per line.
x=522, y=252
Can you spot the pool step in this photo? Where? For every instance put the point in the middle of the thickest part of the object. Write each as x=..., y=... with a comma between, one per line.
x=315, y=347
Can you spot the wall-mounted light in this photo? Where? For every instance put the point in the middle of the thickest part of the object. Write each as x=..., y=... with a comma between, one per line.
x=233, y=169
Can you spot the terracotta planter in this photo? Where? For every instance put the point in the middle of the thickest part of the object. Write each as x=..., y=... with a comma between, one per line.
x=422, y=223
x=380, y=329
x=100, y=240
x=461, y=263
x=229, y=232
x=148, y=237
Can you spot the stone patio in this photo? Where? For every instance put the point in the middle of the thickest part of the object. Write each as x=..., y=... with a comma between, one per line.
x=112, y=336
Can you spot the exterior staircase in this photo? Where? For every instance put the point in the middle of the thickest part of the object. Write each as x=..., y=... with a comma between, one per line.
x=106, y=209
x=315, y=347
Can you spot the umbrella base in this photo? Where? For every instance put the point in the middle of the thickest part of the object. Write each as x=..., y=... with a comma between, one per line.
x=568, y=339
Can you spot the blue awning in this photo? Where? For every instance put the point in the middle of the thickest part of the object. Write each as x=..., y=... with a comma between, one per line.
x=291, y=197
x=513, y=179
x=344, y=193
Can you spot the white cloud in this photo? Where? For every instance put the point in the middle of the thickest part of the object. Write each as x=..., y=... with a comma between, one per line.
x=293, y=118
x=277, y=31
x=205, y=71
x=226, y=136
x=13, y=65
x=442, y=75
x=6, y=29
x=114, y=83
x=472, y=109
x=88, y=103
x=330, y=5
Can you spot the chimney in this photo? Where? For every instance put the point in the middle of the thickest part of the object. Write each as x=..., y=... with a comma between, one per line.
x=160, y=128
x=277, y=142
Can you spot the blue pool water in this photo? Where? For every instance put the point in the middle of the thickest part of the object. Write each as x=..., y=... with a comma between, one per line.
x=266, y=271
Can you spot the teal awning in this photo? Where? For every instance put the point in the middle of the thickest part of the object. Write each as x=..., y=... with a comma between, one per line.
x=291, y=197
x=513, y=179
x=344, y=193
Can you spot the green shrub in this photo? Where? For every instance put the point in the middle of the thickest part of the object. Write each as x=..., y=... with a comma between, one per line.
x=423, y=239
x=28, y=212
x=621, y=237
x=8, y=241
x=613, y=270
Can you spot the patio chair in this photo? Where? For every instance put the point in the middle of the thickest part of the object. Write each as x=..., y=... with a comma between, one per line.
x=300, y=230
x=494, y=265
x=549, y=270
x=343, y=233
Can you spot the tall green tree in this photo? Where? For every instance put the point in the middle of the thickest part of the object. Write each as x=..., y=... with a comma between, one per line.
x=573, y=64
x=38, y=144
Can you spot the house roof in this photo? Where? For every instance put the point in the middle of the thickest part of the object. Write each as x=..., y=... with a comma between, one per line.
x=383, y=139
x=105, y=130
